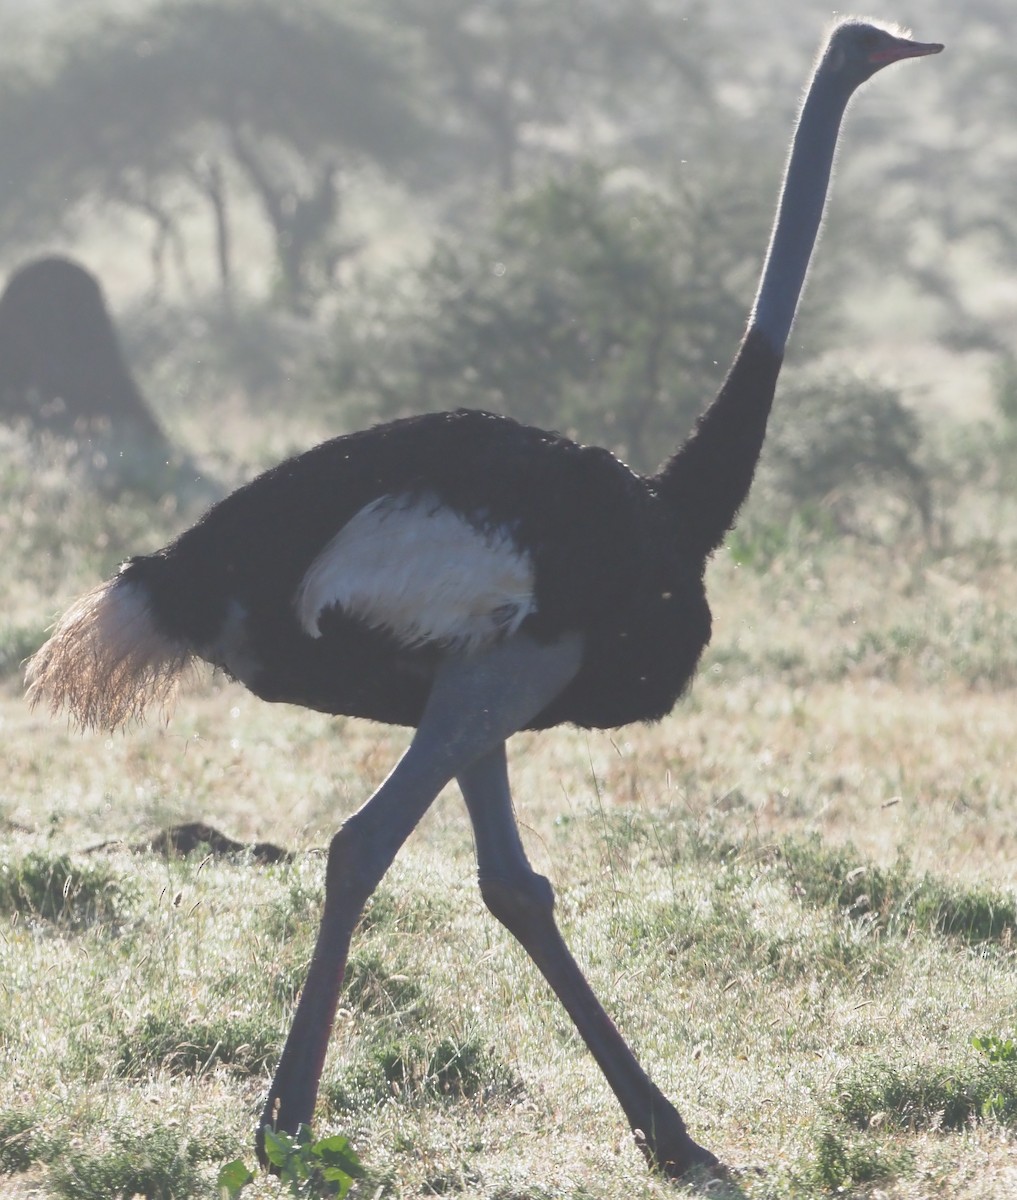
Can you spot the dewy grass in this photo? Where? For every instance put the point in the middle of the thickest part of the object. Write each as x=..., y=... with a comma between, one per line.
x=292, y=912
x=25, y=1139
x=159, y=1164
x=180, y=1044
x=843, y=1163
x=418, y=1070
x=52, y=888
x=446, y=1070
x=371, y=986
x=896, y=898
x=928, y=1095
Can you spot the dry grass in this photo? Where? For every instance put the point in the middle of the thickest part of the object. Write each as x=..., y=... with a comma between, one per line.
x=749, y=1007
x=852, y=694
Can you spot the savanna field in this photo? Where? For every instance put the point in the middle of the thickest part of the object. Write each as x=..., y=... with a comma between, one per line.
x=797, y=895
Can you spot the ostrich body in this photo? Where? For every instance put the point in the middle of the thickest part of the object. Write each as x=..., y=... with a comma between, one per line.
x=471, y=577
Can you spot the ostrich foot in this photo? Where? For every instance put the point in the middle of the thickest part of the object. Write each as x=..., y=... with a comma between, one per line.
x=670, y=1150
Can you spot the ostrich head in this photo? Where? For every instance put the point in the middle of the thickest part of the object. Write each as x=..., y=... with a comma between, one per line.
x=857, y=49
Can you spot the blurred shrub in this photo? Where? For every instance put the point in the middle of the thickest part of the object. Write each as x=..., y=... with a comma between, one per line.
x=851, y=449
x=610, y=312
x=603, y=310
x=195, y=354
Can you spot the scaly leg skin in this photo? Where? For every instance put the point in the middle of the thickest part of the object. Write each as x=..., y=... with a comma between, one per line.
x=477, y=701
x=524, y=903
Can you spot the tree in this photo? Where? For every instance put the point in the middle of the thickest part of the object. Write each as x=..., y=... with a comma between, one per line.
x=607, y=312
x=194, y=100
x=519, y=80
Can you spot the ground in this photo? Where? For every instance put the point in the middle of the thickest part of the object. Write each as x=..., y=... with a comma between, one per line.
x=796, y=895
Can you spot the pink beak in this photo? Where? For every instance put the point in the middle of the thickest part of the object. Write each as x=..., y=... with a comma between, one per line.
x=904, y=48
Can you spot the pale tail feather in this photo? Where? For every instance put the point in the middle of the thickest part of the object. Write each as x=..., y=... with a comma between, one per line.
x=106, y=662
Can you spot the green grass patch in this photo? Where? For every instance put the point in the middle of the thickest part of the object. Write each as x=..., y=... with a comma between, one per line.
x=389, y=910
x=449, y=1069
x=294, y=912
x=733, y=921
x=415, y=1070
x=928, y=1096
x=25, y=1139
x=375, y=991
x=842, y=1163
x=158, y=1164
x=895, y=898
x=51, y=888
x=174, y=1042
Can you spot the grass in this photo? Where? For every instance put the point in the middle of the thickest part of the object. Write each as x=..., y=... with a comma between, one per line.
x=797, y=896
x=949, y=1096
x=42, y=887
x=419, y=1068
x=158, y=1164
x=897, y=896
x=176, y=1043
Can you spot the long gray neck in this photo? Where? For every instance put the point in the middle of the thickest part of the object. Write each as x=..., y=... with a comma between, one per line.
x=800, y=211
x=705, y=483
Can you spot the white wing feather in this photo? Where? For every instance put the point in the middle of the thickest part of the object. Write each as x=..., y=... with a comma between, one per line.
x=412, y=566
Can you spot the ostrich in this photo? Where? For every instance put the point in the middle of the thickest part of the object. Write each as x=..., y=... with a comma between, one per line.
x=470, y=577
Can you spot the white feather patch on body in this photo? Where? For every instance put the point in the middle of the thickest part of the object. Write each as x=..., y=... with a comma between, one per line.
x=426, y=574
x=106, y=660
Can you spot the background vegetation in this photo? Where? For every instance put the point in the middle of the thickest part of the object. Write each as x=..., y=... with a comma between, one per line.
x=797, y=894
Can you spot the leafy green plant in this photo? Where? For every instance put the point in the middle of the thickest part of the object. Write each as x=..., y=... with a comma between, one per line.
x=996, y=1049
x=308, y=1167
x=233, y=1178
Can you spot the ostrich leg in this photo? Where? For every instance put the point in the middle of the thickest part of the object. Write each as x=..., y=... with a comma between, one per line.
x=524, y=903
x=476, y=702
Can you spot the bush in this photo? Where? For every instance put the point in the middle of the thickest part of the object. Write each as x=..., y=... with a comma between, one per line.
x=835, y=443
